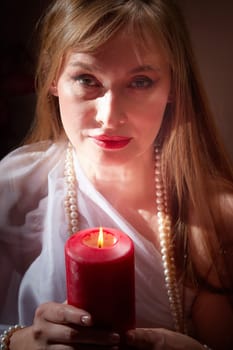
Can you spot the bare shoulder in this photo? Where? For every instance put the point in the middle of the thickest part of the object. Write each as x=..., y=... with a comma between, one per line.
x=212, y=317
x=212, y=312
x=211, y=242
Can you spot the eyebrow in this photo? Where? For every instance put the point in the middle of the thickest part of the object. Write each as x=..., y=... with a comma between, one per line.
x=144, y=68
x=89, y=67
x=93, y=67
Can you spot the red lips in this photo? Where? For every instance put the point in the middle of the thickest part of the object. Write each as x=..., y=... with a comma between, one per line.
x=111, y=142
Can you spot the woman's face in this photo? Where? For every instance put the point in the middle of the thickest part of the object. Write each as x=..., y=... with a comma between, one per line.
x=112, y=101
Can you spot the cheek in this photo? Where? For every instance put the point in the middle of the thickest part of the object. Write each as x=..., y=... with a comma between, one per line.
x=76, y=115
x=71, y=104
x=151, y=118
x=68, y=104
x=152, y=111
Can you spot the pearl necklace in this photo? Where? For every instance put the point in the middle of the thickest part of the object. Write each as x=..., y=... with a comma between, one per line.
x=167, y=248
x=164, y=228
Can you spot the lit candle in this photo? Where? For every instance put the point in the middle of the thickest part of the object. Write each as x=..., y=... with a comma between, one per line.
x=100, y=276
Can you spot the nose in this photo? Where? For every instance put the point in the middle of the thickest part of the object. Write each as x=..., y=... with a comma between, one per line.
x=110, y=110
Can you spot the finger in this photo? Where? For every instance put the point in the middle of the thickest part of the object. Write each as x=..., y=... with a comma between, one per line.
x=63, y=314
x=56, y=333
x=97, y=337
x=146, y=338
x=81, y=347
x=97, y=347
x=61, y=347
x=53, y=333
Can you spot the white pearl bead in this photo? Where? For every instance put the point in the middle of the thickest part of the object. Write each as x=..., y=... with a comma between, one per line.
x=167, y=280
x=67, y=210
x=74, y=222
x=159, y=200
x=159, y=193
x=164, y=249
x=73, y=207
x=160, y=214
x=73, y=215
x=74, y=229
x=66, y=203
x=69, y=171
x=158, y=186
x=71, y=186
x=70, y=178
x=160, y=207
x=71, y=193
x=72, y=200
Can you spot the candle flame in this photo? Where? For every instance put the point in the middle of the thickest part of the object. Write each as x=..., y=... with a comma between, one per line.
x=100, y=242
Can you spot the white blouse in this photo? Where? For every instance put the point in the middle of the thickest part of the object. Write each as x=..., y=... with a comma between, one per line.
x=33, y=231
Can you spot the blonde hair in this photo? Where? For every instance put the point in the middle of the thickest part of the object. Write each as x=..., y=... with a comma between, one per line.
x=193, y=159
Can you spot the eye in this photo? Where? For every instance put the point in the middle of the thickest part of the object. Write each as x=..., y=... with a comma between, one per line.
x=87, y=80
x=141, y=82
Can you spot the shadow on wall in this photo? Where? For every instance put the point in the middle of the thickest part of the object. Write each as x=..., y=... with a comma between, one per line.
x=16, y=95
x=17, y=63
x=211, y=28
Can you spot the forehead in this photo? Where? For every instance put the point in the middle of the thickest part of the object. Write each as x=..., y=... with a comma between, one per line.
x=121, y=49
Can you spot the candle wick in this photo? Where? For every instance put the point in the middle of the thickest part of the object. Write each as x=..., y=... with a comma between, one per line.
x=100, y=238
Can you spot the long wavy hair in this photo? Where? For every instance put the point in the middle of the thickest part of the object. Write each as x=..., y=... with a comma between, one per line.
x=195, y=166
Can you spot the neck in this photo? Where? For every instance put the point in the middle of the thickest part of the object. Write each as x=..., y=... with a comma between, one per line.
x=130, y=180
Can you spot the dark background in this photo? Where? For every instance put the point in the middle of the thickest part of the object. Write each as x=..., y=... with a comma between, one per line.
x=18, y=19
x=211, y=27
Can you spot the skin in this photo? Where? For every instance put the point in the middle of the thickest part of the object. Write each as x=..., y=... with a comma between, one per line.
x=121, y=95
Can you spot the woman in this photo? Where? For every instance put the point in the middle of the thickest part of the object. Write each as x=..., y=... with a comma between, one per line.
x=119, y=104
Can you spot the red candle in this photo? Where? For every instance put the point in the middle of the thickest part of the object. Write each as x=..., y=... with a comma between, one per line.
x=100, y=276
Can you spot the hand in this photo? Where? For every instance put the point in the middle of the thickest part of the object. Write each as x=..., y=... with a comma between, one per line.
x=62, y=327
x=160, y=339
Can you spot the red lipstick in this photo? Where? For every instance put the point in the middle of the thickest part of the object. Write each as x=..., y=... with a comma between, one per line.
x=111, y=142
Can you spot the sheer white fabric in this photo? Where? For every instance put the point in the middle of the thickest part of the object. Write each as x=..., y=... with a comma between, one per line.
x=33, y=231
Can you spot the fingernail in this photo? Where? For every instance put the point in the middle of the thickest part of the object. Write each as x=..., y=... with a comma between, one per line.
x=85, y=320
x=115, y=338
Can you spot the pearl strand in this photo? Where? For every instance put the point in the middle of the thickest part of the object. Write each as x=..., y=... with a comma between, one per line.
x=71, y=205
x=167, y=247
x=164, y=228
